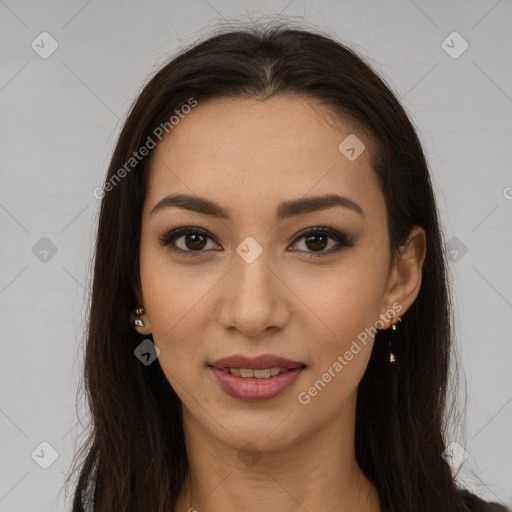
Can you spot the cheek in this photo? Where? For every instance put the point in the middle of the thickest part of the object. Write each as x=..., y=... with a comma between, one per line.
x=346, y=305
x=172, y=297
x=343, y=300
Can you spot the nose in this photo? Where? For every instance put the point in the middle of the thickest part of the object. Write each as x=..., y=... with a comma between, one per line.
x=254, y=297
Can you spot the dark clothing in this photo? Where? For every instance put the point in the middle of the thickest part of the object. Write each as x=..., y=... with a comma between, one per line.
x=473, y=502
x=477, y=504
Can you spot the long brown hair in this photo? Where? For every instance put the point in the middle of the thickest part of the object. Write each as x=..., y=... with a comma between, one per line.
x=135, y=451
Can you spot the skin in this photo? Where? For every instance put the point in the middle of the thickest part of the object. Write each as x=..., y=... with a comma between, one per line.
x=248, y=156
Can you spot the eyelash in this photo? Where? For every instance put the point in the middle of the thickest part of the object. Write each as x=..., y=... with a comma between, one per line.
x=343, y=240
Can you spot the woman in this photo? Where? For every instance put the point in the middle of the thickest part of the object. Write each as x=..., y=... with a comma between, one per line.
x=270, y=316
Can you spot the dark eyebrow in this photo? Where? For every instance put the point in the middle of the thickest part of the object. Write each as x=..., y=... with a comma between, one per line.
x=284, y=210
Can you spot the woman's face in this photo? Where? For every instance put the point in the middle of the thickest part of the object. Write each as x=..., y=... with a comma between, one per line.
x=250, y=282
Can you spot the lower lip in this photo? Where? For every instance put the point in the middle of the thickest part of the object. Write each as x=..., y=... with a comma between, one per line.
x=252, y=389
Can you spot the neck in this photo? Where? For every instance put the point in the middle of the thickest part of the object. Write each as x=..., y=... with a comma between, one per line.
x=317, y=472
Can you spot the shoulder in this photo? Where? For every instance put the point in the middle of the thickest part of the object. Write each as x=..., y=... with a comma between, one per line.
x=477, y=504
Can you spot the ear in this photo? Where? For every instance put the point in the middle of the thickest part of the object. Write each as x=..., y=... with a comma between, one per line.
x=404, y=280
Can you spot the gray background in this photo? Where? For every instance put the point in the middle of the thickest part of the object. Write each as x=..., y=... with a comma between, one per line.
x=61, y=116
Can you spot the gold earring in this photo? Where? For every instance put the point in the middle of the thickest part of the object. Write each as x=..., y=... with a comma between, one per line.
x=399, y=319
x=392, y=358
x=139, y=310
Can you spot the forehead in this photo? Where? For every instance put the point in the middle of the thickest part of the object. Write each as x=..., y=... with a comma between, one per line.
x=246, y=152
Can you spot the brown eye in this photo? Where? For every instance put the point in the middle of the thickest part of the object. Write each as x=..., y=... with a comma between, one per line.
x=186, y=240
x=195, y=241
x=316, y=241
